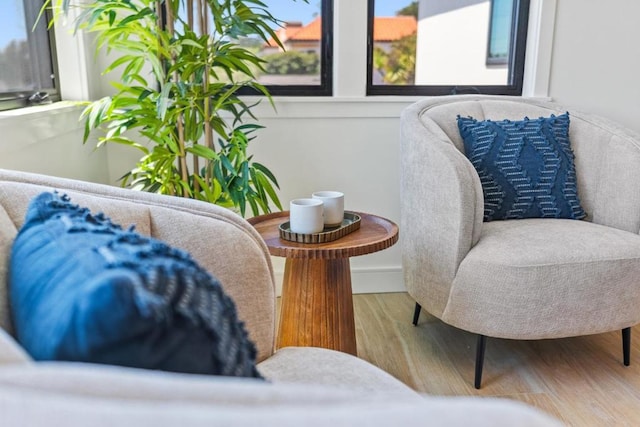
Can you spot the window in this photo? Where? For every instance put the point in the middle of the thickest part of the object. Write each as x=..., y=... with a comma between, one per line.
x=304, y=67
x=440, y=47
x=27, y=71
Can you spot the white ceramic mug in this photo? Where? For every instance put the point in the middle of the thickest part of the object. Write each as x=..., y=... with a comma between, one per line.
x=305, y=216
x=333, y=206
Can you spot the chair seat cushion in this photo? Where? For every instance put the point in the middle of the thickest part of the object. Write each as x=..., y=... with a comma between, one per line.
x=84, y=289
x=547, y=278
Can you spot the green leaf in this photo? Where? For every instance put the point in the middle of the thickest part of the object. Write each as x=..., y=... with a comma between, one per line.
x=249, y=127
x=192, y=43
x=254, y=206
x=267, y=172
x=144, y=95
x=268, y=188
x=228, y=165
x=137, y=17
x=202, y=151
x=245, y=175
x=87, y=131
x=163, y=101
x=112, y=17
x=219, y=176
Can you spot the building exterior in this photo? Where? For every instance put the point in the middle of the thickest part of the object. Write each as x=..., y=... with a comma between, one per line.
x=453, y=43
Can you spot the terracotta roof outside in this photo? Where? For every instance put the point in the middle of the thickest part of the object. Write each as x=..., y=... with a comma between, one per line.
x=286, y=32
x=385, y=29
x=312, y=31
x=391, y=28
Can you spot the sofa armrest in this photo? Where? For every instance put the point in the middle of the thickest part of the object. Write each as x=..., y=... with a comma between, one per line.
x=441, y=209
x=46, y=394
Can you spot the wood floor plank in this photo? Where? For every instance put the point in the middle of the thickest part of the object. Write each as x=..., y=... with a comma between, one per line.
x=580, y=380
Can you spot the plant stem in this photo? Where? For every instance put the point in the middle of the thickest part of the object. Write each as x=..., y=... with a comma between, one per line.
x=190, y=13
x=204, y=28
x=196, y=159
x=184, y=173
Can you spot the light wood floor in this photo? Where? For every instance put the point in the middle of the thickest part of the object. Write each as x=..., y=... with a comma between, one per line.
x=581, y=380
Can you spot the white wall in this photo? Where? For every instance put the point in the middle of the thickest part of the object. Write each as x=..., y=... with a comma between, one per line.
x=49, y=141
x=596, y=58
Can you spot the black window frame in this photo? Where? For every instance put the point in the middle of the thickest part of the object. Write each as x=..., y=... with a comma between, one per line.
x=41, y=44
x=325, y=88
x=517, y=52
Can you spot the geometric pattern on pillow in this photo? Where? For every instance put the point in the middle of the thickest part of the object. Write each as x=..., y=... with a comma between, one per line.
x=526, y=167
x=83, y=289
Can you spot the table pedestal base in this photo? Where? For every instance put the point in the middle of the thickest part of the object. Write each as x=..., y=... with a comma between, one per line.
x=317, y=305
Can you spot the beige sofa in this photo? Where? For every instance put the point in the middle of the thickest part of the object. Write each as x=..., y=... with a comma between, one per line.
x=307, y=386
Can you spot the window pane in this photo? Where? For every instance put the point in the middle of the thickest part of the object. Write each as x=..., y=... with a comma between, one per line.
x=302, y=66
x=442, y=43
x=15, y=65
x=300, y=62
x=394, y=42
x=26, y=65
x=500, y=31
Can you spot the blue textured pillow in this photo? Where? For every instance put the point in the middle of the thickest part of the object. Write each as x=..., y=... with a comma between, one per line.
x=526, y=167
x=84, y=289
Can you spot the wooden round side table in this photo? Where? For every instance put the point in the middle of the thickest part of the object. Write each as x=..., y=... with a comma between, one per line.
x=317, y=304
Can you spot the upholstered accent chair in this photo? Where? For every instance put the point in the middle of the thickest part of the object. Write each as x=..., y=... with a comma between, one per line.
x=522, y=279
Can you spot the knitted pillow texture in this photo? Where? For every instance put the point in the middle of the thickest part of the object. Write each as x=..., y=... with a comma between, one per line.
x=526, y=167
x=83, y=289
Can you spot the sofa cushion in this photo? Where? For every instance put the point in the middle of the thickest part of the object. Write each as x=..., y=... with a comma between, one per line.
x=526, y=167
x=311, y=365
x=84, y=289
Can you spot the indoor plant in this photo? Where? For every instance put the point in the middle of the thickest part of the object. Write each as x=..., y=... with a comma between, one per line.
x=180, y=68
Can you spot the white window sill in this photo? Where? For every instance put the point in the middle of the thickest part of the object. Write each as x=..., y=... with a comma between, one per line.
x=61, y=107
x=329, y=107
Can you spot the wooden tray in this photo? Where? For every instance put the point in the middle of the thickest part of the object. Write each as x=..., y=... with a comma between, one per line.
x=350, y=223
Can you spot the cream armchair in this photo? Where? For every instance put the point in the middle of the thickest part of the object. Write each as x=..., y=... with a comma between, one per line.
x=306, y=386
x=527, y=278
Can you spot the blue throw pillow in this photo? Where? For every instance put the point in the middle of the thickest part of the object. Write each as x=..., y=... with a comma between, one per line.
x=526, y=167
x=83, y=289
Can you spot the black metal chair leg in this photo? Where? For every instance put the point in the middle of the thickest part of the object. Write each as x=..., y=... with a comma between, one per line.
x=626, y=346
x=482, y=344
x=416, y=314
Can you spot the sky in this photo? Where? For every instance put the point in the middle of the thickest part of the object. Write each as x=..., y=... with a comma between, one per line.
x=11, y=22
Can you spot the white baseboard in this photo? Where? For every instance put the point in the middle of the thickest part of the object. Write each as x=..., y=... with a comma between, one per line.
x=366, y=280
